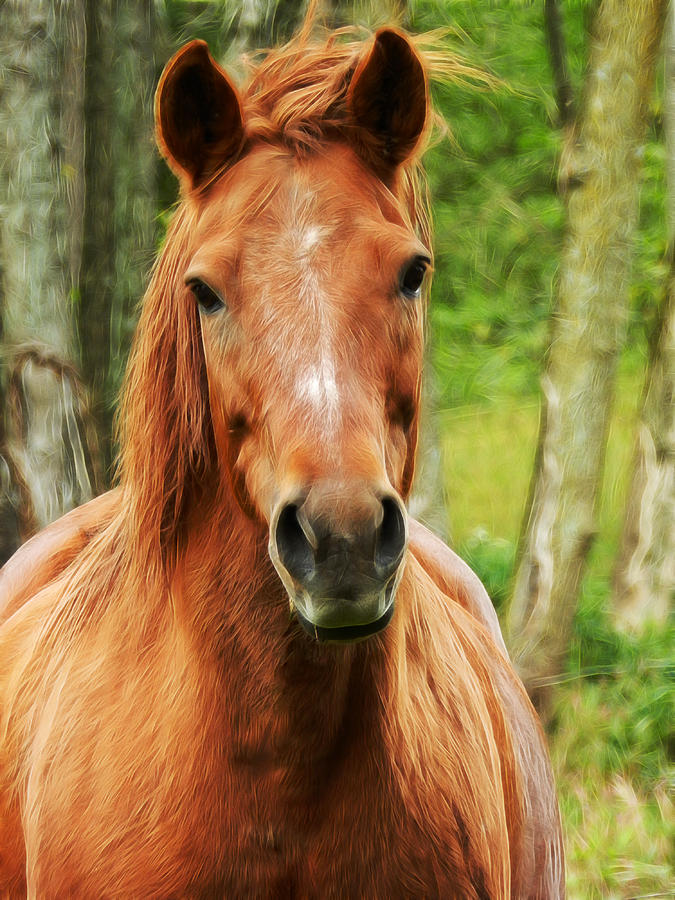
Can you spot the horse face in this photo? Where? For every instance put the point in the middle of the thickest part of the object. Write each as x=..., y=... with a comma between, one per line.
x=309, y=279
x=309, y=287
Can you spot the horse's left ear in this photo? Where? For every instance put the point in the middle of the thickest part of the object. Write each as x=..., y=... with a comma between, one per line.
x=387, y=99
x=197, y=115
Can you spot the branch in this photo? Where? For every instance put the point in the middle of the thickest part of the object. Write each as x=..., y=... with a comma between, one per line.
x=557, y=52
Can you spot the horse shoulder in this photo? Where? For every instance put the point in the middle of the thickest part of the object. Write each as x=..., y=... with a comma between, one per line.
x=45, y=556
x=29, y=593
x=535, y=833
x=539, y=872
x=17, y=639
x=54, y=720
x=455, y=578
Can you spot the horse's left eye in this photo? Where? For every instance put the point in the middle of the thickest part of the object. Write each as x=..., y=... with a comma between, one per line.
x=412, y=276
x=209, y=300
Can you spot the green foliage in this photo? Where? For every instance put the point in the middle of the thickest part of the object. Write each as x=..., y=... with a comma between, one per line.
x=492, y=559
x=632, y=678
x=650, y=267
x=228, y=26
x=498, y=217
x=612, y=745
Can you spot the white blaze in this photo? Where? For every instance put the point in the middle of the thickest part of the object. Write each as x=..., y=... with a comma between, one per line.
x=316, y=384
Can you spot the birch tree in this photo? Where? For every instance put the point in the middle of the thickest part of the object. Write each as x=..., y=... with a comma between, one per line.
x=645, y=573
x=78, y=194
x=48, y=464
x=588, y=329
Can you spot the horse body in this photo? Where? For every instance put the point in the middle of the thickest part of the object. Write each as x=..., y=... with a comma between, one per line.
x=305, y=778
x=169, y=727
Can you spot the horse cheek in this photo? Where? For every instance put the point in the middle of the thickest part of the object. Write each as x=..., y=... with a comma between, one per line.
x=396, y=451
x=252, y=477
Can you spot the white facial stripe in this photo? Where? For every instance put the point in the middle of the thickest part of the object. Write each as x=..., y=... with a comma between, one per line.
x=316, y=385
x=310, y=238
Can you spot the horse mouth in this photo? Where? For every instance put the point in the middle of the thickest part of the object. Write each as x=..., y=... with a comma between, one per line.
x=346, y=621
x=342, y=634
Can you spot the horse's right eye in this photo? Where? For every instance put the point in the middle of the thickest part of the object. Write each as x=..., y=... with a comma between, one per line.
x=209, y=300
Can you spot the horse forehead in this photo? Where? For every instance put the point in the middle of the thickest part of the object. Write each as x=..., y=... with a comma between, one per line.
x=306, y=221
x=330, y=183
x=300, y=242
x=276, y=200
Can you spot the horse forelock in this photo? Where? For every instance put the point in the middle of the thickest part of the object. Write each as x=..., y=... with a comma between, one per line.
x=296, y=97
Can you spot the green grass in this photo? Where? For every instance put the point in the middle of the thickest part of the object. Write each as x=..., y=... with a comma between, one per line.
x=611, y=747
x=611, y=734
x=488, y=453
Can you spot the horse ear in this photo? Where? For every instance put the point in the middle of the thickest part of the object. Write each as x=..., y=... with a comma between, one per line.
x=387, y=99
x=197, y=115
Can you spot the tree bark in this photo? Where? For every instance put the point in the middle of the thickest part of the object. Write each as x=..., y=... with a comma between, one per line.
x=645, y=571
x=588, y=332
x=121, y=196
x=46, y=454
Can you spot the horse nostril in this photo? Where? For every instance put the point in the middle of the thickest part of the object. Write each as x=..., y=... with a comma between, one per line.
x=391, y=538
x=294, y=549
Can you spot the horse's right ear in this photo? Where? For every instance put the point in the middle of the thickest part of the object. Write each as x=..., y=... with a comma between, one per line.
x=197, y=115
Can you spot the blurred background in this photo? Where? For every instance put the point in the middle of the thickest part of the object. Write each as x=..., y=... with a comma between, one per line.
x=549, y=434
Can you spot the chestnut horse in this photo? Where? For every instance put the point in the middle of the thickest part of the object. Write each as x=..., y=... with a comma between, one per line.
x=245, y=672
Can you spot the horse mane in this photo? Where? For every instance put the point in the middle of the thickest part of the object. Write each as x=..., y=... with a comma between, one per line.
x=296, y=96
x=166, y=439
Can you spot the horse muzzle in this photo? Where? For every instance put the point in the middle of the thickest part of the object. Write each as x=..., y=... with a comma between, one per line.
x=339, y=551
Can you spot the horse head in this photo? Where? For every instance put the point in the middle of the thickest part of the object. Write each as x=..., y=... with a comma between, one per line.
x=308, y=274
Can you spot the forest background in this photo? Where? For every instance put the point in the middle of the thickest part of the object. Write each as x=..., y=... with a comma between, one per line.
x=85, y=199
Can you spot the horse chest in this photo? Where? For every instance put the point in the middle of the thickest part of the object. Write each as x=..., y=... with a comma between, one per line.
x=304, y=834
x=192, y=798
x=260, y=846
x=351, y=836
x=325, y=850
x=182, y=815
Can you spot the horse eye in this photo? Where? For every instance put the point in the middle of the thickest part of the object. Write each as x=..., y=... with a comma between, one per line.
x=209, y=301
x=412, y=276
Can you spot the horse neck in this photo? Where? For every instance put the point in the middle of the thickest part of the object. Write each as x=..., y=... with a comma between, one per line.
x=288, y=697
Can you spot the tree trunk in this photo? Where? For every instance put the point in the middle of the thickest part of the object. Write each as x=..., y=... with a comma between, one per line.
x=46, y=454
x=587, y=334
x=121, y=197
x=645, y=572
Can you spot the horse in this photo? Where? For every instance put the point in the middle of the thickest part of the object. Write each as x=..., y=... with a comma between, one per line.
x=246, y=671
